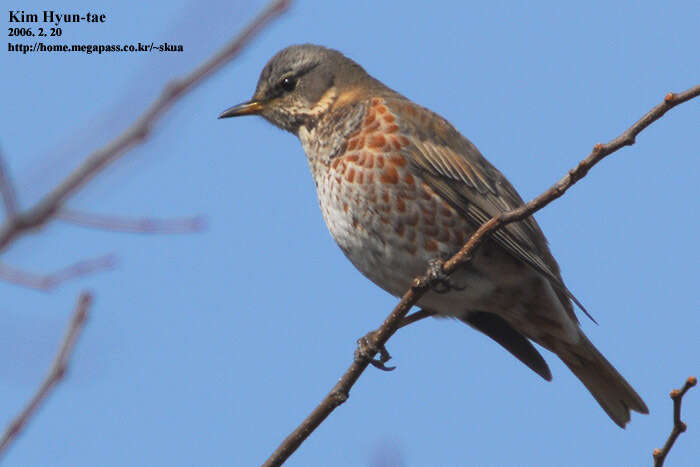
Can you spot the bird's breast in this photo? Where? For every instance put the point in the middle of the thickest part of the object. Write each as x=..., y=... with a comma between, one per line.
x=386, y=220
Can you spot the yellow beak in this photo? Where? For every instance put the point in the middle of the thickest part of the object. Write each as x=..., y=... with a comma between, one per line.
x=246, y=108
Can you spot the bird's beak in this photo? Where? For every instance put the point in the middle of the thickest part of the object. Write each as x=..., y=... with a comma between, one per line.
x=246, y=108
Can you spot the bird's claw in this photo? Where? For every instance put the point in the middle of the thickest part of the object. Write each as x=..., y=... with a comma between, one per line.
x=366, y=349
x=439, y=281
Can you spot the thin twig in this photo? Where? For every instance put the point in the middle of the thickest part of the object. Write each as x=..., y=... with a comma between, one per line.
x=145, y=225
x=56, y=373
x=47, y=282
x=341, y=391
x=44, y=210
x=7, y=190
x=678, y=425
x=417, y=316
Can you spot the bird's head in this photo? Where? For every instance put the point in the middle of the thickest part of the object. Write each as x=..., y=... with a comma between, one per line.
x=300, y=84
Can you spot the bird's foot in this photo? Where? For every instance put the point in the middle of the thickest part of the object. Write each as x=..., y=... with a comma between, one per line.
x=438, y=280
x=366, y=350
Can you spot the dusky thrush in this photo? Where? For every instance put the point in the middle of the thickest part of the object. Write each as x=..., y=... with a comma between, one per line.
x=399, y=187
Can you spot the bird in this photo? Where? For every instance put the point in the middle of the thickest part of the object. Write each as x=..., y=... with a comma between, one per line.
x=400, y=188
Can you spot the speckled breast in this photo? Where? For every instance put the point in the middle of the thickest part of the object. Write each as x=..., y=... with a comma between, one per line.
x=386, y=220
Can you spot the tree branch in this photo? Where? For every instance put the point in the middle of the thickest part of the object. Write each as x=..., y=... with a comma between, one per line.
x=678, y=425
x=56, y=373
x=417, y=316
x=377, y=339
x=17, y=223
x=49, y=281
x=7, y=190
x=146, y=225
x=39, y=214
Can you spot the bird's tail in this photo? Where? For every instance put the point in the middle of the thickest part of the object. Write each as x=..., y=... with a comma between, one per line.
x=606, y=384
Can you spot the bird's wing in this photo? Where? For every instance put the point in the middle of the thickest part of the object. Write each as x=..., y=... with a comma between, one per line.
x=455, y=169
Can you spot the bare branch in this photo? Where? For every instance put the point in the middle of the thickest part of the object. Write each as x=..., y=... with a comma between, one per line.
x=17, y=223
x=377, y=339
x=36, y=216
x=146, y=225
x=678, y=425
x=56, y=372
x=417, y=316
x=47, y=282
x=7, y=190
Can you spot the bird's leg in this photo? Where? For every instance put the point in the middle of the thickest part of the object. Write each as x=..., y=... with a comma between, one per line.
x=439, y=281
x=367, y=348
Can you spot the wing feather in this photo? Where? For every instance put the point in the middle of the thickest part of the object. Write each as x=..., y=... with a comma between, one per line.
x=455, y=169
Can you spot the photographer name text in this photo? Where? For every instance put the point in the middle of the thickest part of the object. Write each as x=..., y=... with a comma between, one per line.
x=55, y=18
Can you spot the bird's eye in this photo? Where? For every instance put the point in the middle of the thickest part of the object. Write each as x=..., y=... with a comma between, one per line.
x=288, y=84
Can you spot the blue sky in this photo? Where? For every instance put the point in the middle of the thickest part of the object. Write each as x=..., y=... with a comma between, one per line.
x=207, y=349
